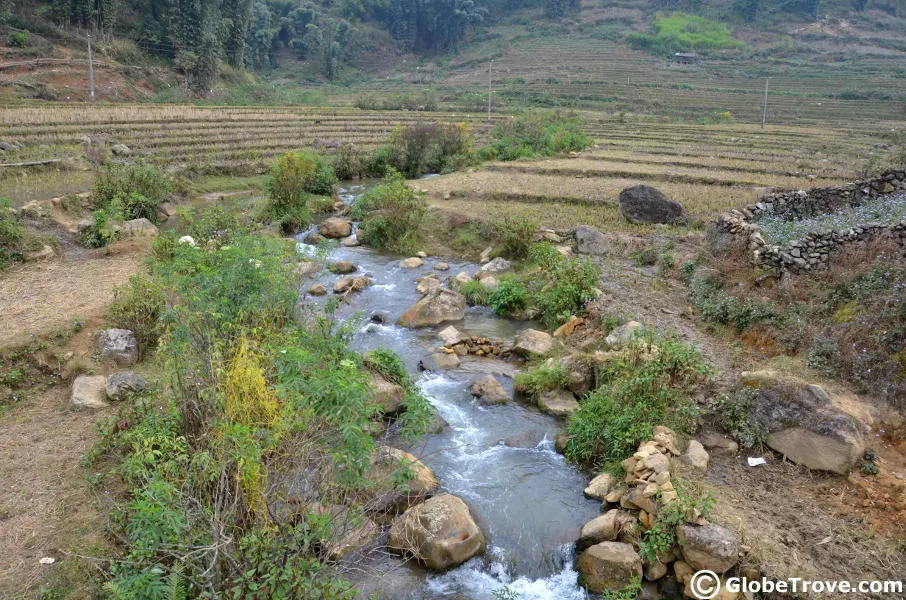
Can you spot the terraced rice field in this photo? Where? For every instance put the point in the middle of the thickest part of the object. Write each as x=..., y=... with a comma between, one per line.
x=584, y=71
x=708, y=169
x=171, y=135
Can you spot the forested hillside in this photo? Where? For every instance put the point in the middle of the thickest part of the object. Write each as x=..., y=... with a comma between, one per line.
x=435, y=53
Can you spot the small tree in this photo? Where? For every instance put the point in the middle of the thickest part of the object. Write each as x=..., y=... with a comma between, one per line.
x=392, y=215
x=294, y=177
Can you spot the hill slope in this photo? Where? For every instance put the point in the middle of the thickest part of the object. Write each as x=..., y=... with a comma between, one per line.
x=608, y=55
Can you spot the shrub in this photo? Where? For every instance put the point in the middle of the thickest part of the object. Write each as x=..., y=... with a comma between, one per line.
x=649, y=384
x=716, y=305
x=99, y=233
x=429, y=147
x=138, y=307
x=510, y=297
x=293, y=178
x=18, y=39
x=349, y=162
x=569, y=284
x=680, y=32
x=392, y=214
x=212, y=225
x=515, y=235
x=379, y=163
x=11, y=235
x=131, y=191
x=536, y=134
x=733, y=412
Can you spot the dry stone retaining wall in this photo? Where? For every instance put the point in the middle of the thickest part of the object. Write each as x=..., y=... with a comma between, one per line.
x=813, y=251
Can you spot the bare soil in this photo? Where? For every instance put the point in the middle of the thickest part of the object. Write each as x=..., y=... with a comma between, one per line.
x=48, y=508
x=38, y=298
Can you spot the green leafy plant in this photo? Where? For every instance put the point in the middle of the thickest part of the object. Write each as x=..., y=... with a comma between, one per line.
x=511, y=296
x=733, y=412
x=541, y=379
x=536, y=134
x=661, y=537
x=293, y=179
x=515, y=236
x=131, y=191
x=138, y=307
x=476, y=294
x=869, y=465
x=11, y=235
x=650, y=383
x=99, y=233
x=392, y=214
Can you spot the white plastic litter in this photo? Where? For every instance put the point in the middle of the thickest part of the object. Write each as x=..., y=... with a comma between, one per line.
x=47, y=560
x=754, y=462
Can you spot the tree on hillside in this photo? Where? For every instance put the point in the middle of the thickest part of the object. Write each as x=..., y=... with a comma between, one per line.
x=560, y=8
x=327, y=40
x=237, y=15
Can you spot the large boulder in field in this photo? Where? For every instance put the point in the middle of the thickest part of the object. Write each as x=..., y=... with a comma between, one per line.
x=532, y=342
x=389, y=494
x=120, y=385
x=608, y=566
x=335, y=228
x=119, y=345
x=590, y=241
x=644, y=204
x=389, y=396
x=435, y=308
x=88, y=391
x=708, y=547
x=439, y=533
x=489, y=389
x=804, y=423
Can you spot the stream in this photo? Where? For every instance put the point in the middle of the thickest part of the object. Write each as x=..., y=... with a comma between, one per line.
x=499, y=459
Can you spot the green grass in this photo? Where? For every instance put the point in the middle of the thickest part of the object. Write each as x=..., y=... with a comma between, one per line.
x=681, y=32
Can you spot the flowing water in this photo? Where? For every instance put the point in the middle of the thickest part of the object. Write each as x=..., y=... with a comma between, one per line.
x=498, y=458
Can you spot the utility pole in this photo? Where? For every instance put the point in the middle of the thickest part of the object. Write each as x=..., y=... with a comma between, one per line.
x=764, y=115
x=490, y=66
x=90, y=71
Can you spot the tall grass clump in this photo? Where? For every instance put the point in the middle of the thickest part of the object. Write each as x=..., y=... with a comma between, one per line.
x=430, y=147
x=128, y=192
x=294, y=179
x=536, y=134
x=264, y=420
x=11, y=235
x=391, y=215
x=651, y=383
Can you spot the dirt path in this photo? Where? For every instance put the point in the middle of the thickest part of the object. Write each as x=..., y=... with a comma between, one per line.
x=46, y=505
x=37, y=298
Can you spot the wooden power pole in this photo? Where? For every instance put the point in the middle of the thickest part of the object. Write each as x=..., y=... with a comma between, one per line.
x=90, y=71
x=490, y=66
x=764, y=114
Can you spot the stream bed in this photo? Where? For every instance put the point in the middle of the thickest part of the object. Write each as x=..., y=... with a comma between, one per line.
x=499, y=459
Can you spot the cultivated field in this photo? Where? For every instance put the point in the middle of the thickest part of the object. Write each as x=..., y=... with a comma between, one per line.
x=708, y=169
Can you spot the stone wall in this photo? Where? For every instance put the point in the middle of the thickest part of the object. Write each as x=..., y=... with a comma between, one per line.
x=815, y=249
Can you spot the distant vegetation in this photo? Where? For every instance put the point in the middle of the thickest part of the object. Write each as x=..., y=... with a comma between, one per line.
x=681, y=32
